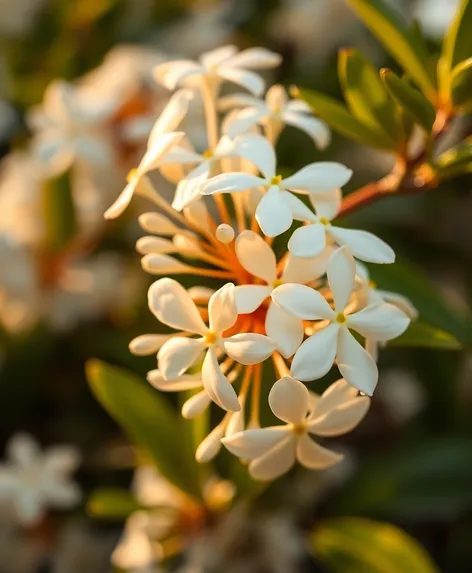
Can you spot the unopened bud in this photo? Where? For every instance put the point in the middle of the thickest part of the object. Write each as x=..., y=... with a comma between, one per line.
x=224, y=233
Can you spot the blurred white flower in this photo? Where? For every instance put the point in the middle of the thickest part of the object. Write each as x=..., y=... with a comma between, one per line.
x=272, y=451
x=221, y=64
x=69, y=128
x=274, y=113
x=317, y=354
x=435, y=15
x=33, y=480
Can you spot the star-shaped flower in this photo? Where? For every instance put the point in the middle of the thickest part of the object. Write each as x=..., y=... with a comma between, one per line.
x=275, y=112
x=33, y=481
x=222, y=64
x=311, y=240
x=273, y=451
x=278, y=208
x=161, y=139
x=173, y=306
x=317, y=354
x=258, y=259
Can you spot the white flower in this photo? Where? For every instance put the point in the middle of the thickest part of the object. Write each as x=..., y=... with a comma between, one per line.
x=258, y=259
x=317, y=354
x=272, y=451
x=222, y=64
x=274, y=113
x=172, y=305
x=310, y=240
x=33, y=481
x=277, y=208
x=205, y=165
x=69, y=128
x=161, y=139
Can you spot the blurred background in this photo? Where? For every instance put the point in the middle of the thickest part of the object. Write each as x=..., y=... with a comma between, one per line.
x=71, y=287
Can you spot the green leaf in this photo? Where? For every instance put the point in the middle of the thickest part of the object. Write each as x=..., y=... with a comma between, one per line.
x=427, y=336
x=341, y=120
x=149, y=420
x=403, y=44
x=112, y=503
x=461, y=85
x=366, y=95
x=58, y=211
x=425, y=480
x=410, y=99
x=461, y=154
x=355, y=545
x=457, y=45
x=405, y=278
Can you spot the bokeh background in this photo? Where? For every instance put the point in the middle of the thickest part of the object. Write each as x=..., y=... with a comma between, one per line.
x=410, y=462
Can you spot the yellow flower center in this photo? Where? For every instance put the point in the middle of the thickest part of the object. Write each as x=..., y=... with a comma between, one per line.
x=372, y=284
x=324, y=221
x=208, y=154
x=211, y=338
x=299, y=429
x=277, y=283
x=341, y=318
x=132, y=175
x=276, y=180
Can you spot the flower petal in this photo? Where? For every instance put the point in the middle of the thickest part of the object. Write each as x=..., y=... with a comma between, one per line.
x=337, y=393
x=195, y=405
x=400, y=301
x=177, y=384
x=160, y=146
x=258, y=150
x=256, y=256
x=313, y=456
x=147, y=344
x=318, y=177
x=249, y=80
x=300, y=211
x=178, y=354
x=171, y=304
x=123, y=200
x=355, y=364
x=171, y=116
x=23, y=450
x=301, y=270
x=308, y=241
x=289, y=400
x=218, y=55
x=60, y=461
x=251, y=444
x=248, y=348
x=379, y=322
x=273, y=214
x=363, y=245
x=341, y=275
x=250, y=297
x=243, y=121
x=231, y=183
x=216, y=383
x=285, y=330
x=302, y=301
x=341, y=419
x=171, y=74
x=275, y=462
x=255, y=58
x=327, y=204
x=314, y=127
x=316, y=355
x=189, y=189
x=222, y=311
x=210, y=446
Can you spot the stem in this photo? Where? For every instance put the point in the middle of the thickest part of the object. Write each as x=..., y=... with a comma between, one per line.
x=280, y=364
x=211, y=115
x=255, y=397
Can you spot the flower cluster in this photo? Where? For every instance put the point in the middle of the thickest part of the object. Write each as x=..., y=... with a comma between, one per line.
x=270, y=307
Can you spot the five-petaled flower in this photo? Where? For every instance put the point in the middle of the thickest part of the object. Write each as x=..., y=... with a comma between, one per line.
x=317, y=354
x=272, y=451
x=172, y=305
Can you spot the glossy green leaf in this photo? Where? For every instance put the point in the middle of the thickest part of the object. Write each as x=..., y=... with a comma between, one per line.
x=461, y=85
x=58, y=211
x=405, y=278
x=355, y=545
x=149, y=420
x=424, y=335
x=410, y=99
x=457, y=45
x=458, y=155
x=425, y=480
x=366, y=95
x=403, y=44
x=341, y=119
x=112, y=504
